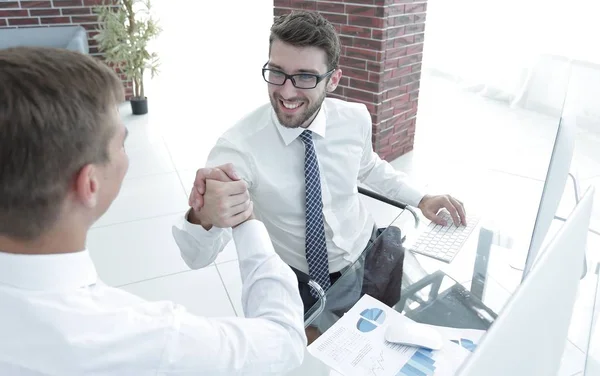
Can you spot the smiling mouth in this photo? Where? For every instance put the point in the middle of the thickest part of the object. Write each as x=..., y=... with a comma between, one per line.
x=290, y=106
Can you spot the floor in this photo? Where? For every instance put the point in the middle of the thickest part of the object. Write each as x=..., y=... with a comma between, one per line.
x=460, y=138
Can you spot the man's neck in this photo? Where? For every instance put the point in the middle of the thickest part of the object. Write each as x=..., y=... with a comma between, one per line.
x=312, y=118
x=54, y=242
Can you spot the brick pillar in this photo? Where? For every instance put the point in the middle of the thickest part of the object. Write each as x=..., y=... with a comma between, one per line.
x=382, y=50
x=48, y=13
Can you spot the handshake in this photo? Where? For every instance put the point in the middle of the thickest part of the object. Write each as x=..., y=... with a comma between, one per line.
x=219, y=198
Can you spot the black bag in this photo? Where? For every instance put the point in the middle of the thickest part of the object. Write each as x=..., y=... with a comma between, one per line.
x=383, y=267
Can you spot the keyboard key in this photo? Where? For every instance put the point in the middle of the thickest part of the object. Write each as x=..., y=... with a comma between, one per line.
x=444, y=242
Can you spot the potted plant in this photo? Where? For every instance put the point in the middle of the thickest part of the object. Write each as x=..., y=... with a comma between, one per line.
x=125, y=29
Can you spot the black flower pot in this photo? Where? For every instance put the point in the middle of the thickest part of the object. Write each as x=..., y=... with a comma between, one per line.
x=139, y=106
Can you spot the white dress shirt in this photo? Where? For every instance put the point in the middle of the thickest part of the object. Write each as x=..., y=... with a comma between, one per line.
x=57, y=318
x=270, y=157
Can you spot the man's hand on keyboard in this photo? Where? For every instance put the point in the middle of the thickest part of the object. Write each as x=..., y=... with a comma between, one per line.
x=431, y=205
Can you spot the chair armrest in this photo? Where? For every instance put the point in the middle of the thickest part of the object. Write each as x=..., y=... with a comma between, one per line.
x=389, y=201
x=381, y=198
x=322, y=300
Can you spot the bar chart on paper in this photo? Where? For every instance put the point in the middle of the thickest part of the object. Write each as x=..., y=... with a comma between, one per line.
x=420, y=364
x=355, y=346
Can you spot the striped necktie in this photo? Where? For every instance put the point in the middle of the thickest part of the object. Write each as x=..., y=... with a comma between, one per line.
x=316, y=246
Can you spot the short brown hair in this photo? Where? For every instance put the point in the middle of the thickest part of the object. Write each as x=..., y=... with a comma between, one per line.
x=303, y=28
x=54, y=119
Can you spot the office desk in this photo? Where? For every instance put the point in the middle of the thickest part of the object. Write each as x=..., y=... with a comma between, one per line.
x=481, y=273
x=432, y=292
x=470, y=291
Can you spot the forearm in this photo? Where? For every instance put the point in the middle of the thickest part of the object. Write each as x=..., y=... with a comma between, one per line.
x=382, y=177
x=199, y=247
x=379, y=175
x=231, y=346
x=270, y=340
x=270, y=288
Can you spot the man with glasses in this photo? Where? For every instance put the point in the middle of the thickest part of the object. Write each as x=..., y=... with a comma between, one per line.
x=301, y=157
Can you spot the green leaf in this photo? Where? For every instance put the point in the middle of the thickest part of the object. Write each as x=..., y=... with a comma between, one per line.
x=125, y=44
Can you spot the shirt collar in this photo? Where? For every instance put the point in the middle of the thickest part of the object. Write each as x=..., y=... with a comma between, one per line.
x=55, y=272
x=318, y=126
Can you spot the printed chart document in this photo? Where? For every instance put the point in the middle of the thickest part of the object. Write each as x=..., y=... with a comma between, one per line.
x=356, y=346
x=467, y=338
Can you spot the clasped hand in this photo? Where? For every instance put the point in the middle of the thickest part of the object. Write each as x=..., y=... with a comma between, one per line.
x=219, y=198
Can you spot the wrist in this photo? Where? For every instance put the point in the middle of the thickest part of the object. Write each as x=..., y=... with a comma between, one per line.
x=196, y=218
x=423, y=201
x=251, y=217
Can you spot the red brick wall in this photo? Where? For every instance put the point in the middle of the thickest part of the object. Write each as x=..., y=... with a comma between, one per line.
x=382, y=50
x=48, y=13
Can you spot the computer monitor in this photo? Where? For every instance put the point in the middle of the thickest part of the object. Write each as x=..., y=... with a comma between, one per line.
x=554, y=186
x=530, y=334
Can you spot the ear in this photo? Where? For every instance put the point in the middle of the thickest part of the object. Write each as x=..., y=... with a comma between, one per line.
x=87, y=185
x=334, y=80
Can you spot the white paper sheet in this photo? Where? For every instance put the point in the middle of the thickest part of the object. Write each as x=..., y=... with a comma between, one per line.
x=356, y=346
x=467, y=338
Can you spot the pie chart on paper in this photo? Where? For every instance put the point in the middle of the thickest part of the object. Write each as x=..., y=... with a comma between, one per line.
x=370, y=320
x=374, y=314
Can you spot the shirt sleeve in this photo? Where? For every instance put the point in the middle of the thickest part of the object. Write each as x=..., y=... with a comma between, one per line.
x=269, y=341
x=380, y=176
x=197, y=246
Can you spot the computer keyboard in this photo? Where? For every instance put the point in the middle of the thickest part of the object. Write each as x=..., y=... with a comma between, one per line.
x=443, y=242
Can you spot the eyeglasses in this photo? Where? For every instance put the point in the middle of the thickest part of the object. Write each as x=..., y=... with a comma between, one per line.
x=300, y=80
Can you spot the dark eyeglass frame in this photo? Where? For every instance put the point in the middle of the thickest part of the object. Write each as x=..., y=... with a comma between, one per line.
x=319, y=77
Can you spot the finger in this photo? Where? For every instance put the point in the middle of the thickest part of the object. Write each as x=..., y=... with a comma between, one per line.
x=240, y=208
x=209, y=173
x=196, y=200
x=191, y=199
x=438, y=220
x=224, y=190
x=452, y=210
x=234, y=188
x=243, y=216
x=230, y=171
x=200, y=179
x=242, y=198
x=233, y=205
x=218, y=174
x=461, y=210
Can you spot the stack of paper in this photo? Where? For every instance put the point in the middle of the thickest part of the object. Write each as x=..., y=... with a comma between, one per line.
x=356, y=345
